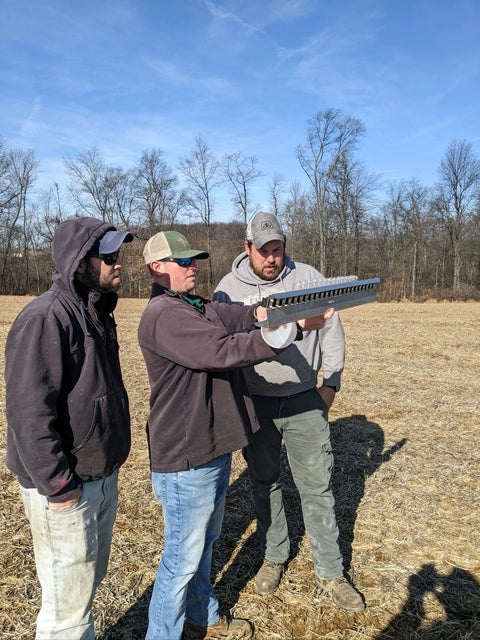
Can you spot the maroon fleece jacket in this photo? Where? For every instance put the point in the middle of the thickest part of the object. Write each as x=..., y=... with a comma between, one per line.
x=199, y=404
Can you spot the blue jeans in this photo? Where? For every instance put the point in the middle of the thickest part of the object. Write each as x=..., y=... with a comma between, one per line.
x=193, y=503
x=72, y=548
x=302, y=423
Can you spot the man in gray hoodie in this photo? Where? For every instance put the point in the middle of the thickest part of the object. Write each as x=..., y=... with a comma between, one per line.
x=68, y=422
x=289, y=406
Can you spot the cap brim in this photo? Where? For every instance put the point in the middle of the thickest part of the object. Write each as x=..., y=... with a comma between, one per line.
x=260, y=240
x=190, y=253
x=113, y=240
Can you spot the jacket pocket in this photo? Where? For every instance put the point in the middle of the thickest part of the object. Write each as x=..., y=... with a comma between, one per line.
x=106, y=444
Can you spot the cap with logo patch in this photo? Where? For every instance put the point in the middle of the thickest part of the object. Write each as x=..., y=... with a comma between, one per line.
x=263, y=228
x=170, y=244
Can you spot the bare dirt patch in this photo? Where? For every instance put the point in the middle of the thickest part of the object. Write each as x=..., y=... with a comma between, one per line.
x=405, y=436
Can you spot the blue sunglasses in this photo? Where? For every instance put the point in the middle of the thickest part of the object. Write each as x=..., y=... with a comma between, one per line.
x=182, y=262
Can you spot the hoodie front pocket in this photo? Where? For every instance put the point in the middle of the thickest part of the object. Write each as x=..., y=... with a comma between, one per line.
x=106, y=443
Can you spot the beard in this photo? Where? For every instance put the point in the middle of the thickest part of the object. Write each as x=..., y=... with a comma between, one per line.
x=277, y=269
x=93, y=279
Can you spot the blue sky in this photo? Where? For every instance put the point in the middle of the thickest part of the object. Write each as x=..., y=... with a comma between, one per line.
x=129, y=75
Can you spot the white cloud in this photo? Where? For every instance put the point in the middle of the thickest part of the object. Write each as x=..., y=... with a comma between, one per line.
x=169, y=72
x=32, y=125
x=228, y=16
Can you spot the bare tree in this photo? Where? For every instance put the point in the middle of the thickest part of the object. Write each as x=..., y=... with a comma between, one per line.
x=299, y=224
x=123, y=201
x=99, y=189
x=330, y=134
x=472, y=246
x=349, y=193
x=415, y=217
x=389, y=244
x=457, y=196
x=8, y=187
x=155, y=189
x=277, y=188
x=201, y=171
x=15, y=216
x=51, y=212
x=407, y=237
x=240, y=171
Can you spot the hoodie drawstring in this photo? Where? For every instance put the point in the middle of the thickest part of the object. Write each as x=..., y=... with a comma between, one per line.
x=82, y=309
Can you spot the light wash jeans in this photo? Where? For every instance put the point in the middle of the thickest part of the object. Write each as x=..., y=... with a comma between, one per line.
x=71, y=548
x=302, y=423
x=193, y=503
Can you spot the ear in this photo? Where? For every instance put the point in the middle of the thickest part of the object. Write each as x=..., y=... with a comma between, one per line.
x=247, y=247
x=157, y=267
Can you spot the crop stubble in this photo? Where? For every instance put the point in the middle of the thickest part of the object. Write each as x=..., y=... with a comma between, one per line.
x=405, y=438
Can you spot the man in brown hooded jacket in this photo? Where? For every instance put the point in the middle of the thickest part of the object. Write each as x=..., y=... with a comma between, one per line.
x=68, y=421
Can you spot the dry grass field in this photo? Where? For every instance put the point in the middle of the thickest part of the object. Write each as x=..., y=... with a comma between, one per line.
x=405, y=432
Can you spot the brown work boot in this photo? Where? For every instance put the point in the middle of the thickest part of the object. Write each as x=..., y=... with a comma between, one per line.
x=342, y=593
x=236, y=629
x=268, y=578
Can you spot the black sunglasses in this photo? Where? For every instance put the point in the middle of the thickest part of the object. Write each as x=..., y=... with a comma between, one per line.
x=182, y=262
x=108, y=258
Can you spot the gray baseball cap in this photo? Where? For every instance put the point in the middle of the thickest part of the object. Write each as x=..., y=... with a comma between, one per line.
x=111, y=241
x=264, y=227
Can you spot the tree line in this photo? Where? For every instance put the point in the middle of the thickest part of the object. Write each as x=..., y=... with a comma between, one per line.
x=423, y=241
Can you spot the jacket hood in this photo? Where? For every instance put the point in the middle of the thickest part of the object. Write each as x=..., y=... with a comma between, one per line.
x=243, y=272
x=72, y=241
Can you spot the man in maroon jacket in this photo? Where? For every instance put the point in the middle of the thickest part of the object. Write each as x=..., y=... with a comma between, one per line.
x=200, y=412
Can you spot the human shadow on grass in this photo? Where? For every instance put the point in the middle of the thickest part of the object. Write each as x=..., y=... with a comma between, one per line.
x=458, y=593
x=134, y=622
x=239, y=516
x=358, y=449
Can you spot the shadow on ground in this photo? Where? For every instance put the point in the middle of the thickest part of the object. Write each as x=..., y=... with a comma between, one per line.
x=459, y=595
x=358, y=452
x=358, y=447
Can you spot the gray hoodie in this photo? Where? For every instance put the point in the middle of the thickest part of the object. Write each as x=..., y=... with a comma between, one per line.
x=295, y=369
